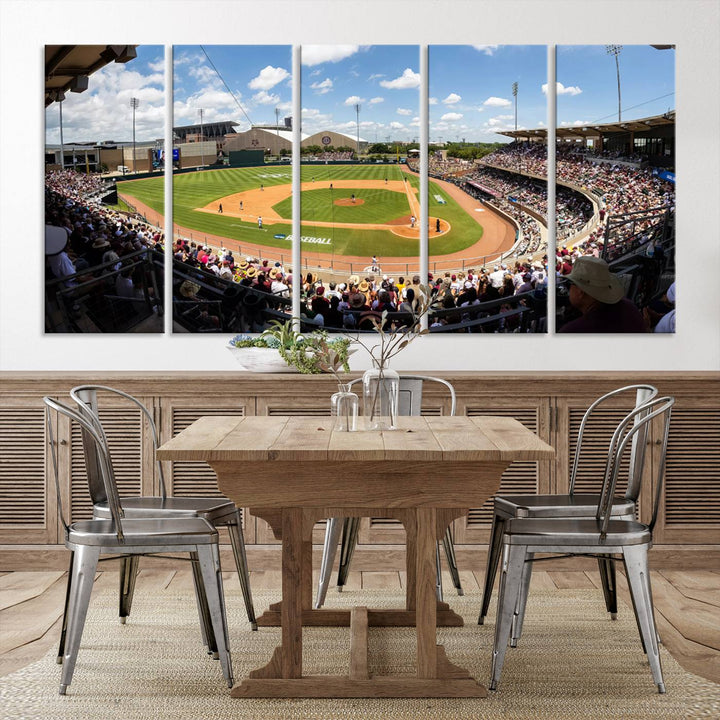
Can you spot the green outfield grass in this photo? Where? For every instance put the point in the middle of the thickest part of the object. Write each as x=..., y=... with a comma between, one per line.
x=197, y=189
x=372, y=206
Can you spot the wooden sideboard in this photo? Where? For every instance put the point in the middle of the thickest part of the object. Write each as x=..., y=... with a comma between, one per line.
x=550, y=404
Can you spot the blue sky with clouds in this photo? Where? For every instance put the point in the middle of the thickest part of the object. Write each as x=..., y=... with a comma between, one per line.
x=383, y=79
x=471, y=90
x=103, y=111
x=587, y=77
x=232, y=82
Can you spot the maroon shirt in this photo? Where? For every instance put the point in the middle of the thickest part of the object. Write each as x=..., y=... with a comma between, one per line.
x=622, y=317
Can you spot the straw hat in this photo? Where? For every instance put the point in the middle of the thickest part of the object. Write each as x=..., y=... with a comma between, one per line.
x=363, y=286
x=189, y=289
x=251, y=272
x=592, y=275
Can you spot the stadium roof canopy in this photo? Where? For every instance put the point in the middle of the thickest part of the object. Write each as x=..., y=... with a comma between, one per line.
x=210, y=129
x=596, y=130
x=68, y=67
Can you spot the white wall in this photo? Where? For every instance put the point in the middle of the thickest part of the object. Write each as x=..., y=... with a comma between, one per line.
x=690, y=24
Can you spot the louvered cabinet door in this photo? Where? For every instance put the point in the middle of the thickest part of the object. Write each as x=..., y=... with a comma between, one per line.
x=690, y=503
x=131, y=451
x=185, y=478
x=520, y=477
x=28, y=509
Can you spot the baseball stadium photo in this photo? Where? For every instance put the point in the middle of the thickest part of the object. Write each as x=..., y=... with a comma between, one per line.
x=104, y=123
x=487, y=217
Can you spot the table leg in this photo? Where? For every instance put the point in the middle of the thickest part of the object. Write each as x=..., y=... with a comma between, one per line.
x=425, y=598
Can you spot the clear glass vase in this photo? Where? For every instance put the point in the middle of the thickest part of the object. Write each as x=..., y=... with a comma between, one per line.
x=344, y=408
x=381, y=387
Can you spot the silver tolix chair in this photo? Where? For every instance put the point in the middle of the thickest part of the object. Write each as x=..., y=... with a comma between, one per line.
x=409, y=403
x=219, y=511
x=572, y=504
x=123, y=537
x=604, y=535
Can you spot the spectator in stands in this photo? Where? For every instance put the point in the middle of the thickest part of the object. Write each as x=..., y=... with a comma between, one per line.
x=56, y=245
x=599, y=296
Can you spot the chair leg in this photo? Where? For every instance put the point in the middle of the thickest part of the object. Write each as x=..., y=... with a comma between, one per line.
x=519, y=617
x=128, y=574
x=209, y=561
x=81, y=583
x=438, y=574
x=63, y=631
x=238, y=546
x=493, y=560
x=449, y=548
x=206, y=629
x=638, y=577
x=510, y=579
x=333, y=528
x=607, y=577
x=351, y=527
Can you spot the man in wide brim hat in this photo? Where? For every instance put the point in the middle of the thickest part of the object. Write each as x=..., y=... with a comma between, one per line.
x=599, y=296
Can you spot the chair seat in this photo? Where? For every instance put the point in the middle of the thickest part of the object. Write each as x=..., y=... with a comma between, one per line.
x=148, y=506
x=558, y=506
x=146, y=531
x=575, y=532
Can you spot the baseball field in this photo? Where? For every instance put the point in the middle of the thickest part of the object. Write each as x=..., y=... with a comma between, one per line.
x=352, y=210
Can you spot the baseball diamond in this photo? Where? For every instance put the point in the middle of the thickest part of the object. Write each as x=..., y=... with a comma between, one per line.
x=362, y=209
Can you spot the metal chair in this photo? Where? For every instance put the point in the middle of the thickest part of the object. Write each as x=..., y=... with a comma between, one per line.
x=572, y=504
x=604, y=536
x=409, y=403
x=130, y=538
x=219, y=511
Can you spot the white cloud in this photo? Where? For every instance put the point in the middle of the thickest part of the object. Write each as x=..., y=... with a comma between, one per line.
x=562, y=90
x=268, y=78
x=265, y=98
x=397, y=125
x=404, y=111
x=497, y=102
x=504, y=117
x=375, y=100
x=540, y=123
x=316, y=54
x=375, y=76
x=575, y=123
x=486, y=49
x=415, y=122
x=354, y=100
x=323, y=87
x=451, y=116
x=451, y=99
x=409, y=79
x=432, y=101
x=103, y=111
x=158, y=66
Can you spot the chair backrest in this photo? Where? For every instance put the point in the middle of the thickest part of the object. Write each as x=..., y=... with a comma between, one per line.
x=86, y=397
x=636, y=423
x=643, y=394
x=410, y=393
x=100, y=455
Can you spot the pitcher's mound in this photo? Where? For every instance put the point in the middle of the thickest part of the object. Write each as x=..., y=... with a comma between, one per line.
x=348, y=201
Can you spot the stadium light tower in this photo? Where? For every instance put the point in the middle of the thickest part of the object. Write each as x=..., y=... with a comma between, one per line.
x=202, y=154
x=615, y=50
x=357, y=122
x=277, y=121
x=134, y=104
x=514, y=92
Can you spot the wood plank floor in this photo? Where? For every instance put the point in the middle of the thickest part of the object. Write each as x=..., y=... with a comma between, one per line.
x=687, y=605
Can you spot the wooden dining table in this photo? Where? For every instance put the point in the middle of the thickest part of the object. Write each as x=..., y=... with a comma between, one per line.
x=294, y=471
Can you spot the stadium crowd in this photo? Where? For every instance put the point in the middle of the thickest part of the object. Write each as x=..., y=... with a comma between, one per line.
x=96, y=234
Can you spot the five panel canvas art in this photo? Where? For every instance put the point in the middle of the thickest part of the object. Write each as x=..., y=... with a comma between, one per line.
x=503, y=221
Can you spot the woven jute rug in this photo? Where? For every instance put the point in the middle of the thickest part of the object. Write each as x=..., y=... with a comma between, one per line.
x=572, y=662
